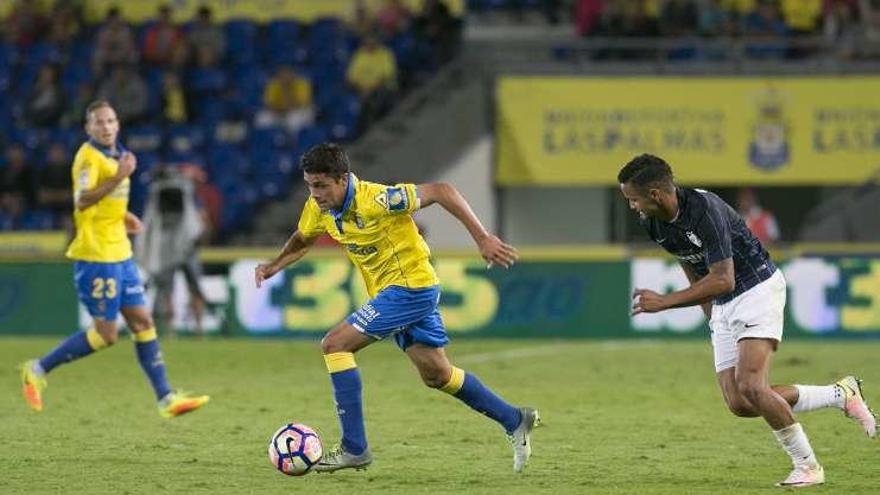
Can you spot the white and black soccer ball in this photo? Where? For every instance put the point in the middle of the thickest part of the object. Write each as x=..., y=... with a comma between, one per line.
x=294, y=449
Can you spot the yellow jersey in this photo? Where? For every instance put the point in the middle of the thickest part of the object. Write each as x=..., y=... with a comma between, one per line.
x=376, y=228
x=100, y=229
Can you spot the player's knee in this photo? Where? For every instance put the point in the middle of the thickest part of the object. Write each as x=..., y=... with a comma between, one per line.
x=141, y=324
x=330, y=344
x=109, y=335
x=435, y=377
x=434, y=380
x=741, y=409
x=750, y=389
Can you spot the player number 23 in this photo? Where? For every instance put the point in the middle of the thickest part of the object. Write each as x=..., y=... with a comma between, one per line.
x=104, y=287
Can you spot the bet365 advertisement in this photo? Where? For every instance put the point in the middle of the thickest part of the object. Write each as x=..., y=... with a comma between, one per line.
x=782, y=130
x=827, y=296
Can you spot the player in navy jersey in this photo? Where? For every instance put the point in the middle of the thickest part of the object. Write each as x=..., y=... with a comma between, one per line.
x=743, y=294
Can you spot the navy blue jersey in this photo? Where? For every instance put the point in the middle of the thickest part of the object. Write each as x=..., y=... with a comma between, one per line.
x=706, y=231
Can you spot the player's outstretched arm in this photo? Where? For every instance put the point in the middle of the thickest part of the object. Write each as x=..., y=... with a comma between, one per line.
x=295, y=248
x=127, y=165
x=718, y=282
x=493, y=249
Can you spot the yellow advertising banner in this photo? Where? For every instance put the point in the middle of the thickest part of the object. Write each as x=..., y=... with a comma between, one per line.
x=784, y=131
x=255, y=10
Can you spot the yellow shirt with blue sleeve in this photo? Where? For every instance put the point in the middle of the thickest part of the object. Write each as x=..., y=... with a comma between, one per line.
x=376, y=228
x=100, y=229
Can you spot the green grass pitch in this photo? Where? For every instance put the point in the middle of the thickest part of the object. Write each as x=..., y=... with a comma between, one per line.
x=620, y=417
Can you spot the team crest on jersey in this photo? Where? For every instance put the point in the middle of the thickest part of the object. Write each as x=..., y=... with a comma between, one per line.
x=694, y=239
x=83, y=182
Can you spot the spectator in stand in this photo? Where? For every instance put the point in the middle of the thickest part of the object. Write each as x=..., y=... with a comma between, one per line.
x=74, y=116
x=45, y=103
x=205, y=82
x=54, y=187
x=678, y=18
x=206, y=35
x=372, y=73
x=163, y=40
x=114, y=44
x=842, y=29
x=802, y=17
x=127, y=92
x=715, y=20
x=766, y=31
x=588, y=15
x=761, y=222
x=65, y=23
x=16, y=183
x=869, y=13
x=174, y=104
x=24, y=24
x=442, y=31
x=392, y=18
x=361, y=22
x=287, y=101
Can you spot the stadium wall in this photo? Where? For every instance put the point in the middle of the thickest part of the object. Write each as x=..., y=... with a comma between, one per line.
x=555, y=293
x=472, y=175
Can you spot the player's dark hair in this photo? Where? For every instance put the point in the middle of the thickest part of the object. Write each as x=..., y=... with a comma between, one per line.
x=96, y=105
x=647, y=170
x=325, y=158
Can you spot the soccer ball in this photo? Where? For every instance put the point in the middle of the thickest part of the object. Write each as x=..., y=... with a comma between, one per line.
x=294, y=449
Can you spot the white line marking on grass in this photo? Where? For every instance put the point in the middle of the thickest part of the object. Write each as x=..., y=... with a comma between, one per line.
x=518, y=352
x=542, y=350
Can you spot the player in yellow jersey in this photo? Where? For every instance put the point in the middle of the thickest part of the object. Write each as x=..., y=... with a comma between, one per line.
x=105, y=275
x=373, y=223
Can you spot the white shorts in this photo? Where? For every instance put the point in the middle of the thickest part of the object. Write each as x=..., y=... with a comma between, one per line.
x=757, y=313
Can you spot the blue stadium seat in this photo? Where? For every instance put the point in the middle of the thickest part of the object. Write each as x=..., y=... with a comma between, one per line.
x=273, y=138
x=7, y=222
x=206, y=80
x=184, y=144
x=241, y=40
x=31, y=138
x=143, y=139
x=227, y=163
x=70, y=138
x=310, y=136
x=37, y=220
x=42, y=53
x=282, y=44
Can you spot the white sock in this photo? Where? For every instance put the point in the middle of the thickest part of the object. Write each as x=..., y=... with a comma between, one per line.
x=812, y=397
x=37, y=369
x=795, y=443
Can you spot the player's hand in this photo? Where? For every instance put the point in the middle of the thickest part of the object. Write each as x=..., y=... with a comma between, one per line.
x=647, y=301
x=133, y=224
x=263, y=272
x=495, y=251
x=127, y=165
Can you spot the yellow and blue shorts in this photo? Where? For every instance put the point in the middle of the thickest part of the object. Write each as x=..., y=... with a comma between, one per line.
x=410, y=315
x=104, y=288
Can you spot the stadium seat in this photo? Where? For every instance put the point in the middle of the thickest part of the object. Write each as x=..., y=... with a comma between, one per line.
x=71, y=139
x=282, y=43
x=31, y=138
x=42, y=53
x=310, y=136
x=273, y=138
x=226, y=162
x=37, y=220
x=143, y=139
x=241, y=36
